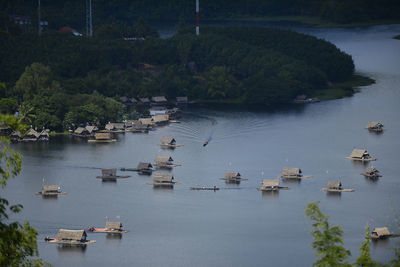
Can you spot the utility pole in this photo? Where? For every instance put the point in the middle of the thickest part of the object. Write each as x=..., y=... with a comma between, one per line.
x=90, y=19
x=197, y=18
x=39, y=26
x=89, y=26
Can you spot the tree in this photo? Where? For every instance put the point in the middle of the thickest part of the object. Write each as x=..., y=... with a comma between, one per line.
x=364, y=260
x=35, y=78
x=17, y=242
x=327, y=240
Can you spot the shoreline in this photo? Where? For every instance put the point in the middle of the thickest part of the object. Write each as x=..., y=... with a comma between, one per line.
x=314, y=22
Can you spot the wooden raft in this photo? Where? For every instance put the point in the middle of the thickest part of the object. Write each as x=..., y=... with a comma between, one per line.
x=338, y=190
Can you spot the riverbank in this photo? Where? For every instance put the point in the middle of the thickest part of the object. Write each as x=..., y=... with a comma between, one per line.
x=315, y=22
x=397, y=37
x=335, y=91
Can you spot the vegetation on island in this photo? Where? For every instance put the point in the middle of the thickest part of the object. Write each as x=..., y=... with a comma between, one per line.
x=67, y=80
x=397, y=37
x=18, y=245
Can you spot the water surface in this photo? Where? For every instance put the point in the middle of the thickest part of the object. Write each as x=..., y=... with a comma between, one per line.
x=238, y=225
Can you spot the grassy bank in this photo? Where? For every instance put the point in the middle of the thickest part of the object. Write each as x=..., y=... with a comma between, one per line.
x=347, y=88
x=397, y=37
x=311, y=21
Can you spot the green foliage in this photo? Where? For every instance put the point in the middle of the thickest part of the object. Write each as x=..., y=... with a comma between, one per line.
x=17, y=242
x=365, y=260
x=8, y=105
x=35, y=79
x=327, y=239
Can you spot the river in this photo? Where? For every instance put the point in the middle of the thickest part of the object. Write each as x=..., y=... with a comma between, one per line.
x=237, y=225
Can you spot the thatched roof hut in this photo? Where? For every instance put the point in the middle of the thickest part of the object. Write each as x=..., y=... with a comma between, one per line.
x=71, y=235
x=31, y=133
x=374, y=125
x=50, y=189
x=163, y=178
x=160, y=118
x=232, y=175
x=113, y=226
x=291, y=173
x=146, y=121
x=380, y=232
x=163, y=159
x=115, y=126
x=144, y=100
x=371, y=172
x=16, y=136
x=81, y=131
x=168, y=141
x=108, y=172
x=102, y=136
x=360, y=154
x=144, y=166
x=159, y=99
x=91, y=128
x=336, y=185
x=274, y=183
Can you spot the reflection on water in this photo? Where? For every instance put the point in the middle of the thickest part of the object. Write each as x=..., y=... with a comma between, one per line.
x=114, y=236
x=334, y=194
x=69, y=249
x=270, y=194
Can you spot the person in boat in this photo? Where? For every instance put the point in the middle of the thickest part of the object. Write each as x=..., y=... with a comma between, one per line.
x=205, y=143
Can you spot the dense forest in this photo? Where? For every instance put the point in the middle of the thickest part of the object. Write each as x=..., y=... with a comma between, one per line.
x=72, y=12
x=65, y=79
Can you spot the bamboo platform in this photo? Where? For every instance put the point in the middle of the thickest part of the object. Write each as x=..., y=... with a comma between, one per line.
x=161, y=165
x=272, y=189
x=101, y=141
x=357, y=159
x=170, y=146
x=204, y=188
x=338, y=190
x=233, y=179
x=113, y=177
x=375, y=176
x=110, y=231
x=137, y=170
x=384, y=237
x=294, y=177
x=72, y=243
x=51, y=194
x=163, y=184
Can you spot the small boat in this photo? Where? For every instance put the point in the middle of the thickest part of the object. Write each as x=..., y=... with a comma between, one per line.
x=214, y=188
x=205, y=143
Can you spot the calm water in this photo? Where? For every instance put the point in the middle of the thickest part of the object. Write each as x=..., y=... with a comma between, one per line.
x=236, y=226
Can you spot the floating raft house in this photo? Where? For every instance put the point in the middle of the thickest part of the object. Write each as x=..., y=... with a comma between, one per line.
x=102, y=138
x=70, y=237
x=143, y=168
x=111, y=228
x=163, y=179
x=111, y=174
x=233, y=177
x=116, y=127
x=360, y=155
x=335, y=187
x=371, y=173
x=292, y=173
x=169, y=142
x=375, y=126
x=270, y=185
x=51, y=190
x=165, y=162
x=31, y=135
